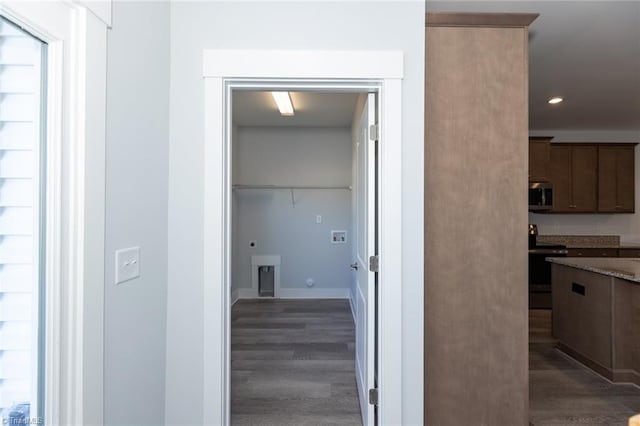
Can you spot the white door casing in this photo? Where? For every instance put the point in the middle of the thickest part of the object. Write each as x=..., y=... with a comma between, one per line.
x=364, y=187
x=360, y=71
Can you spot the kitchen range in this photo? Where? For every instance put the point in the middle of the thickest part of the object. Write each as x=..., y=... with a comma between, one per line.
x=540, y=269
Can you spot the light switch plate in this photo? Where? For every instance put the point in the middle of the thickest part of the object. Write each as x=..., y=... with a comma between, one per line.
x=127, y=264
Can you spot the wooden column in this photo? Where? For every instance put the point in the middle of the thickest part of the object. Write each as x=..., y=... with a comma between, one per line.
x=476, y=161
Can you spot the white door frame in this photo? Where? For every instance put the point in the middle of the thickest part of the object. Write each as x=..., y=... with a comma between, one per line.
x=322, y=70
x=75, y=179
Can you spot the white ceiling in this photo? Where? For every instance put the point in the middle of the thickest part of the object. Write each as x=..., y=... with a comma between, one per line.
x=585, y=51
x=312, y=109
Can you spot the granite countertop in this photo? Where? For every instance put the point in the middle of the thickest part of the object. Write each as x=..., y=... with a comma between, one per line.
x=588, y=241
x=626, y=269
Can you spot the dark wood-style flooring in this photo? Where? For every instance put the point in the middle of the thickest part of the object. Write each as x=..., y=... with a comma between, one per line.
x=562, y=392
x=292, y=363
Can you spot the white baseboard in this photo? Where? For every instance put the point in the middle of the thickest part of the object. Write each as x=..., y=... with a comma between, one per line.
x=294, y=293
x=235, y=296
x=313, y=293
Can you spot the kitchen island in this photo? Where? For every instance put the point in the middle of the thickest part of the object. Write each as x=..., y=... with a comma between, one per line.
x=596, y=314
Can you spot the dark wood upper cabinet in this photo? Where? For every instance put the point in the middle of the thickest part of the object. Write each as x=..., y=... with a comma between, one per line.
x=573, y=173
x=539, y=157
x=584, y=179
x=560, y=177
x=616, y=165
x=589, y=177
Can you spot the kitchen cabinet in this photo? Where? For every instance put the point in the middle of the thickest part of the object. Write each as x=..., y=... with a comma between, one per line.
x=628, y=252
x=595, y=315
x=588, y=177
x=582, y=313
x=626, y=333
x=592, y=252
x=573, y=173
x=616, y=185
x=539, y=157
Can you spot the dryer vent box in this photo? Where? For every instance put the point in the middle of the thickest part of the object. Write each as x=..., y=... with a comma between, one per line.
x=338, y=237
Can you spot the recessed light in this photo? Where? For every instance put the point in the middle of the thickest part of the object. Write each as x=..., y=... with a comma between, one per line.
x=555, y=100
x=283, y=100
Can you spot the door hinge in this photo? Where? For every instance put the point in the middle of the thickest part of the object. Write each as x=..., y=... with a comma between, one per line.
x=373, y=396
x=374, y=263
x=373, y=132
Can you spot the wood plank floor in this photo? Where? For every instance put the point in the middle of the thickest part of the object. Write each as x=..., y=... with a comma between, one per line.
x=292, y=363
x=562, y=392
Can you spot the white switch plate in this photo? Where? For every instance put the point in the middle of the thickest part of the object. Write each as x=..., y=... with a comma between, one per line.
x=318, y=218
x=127, y=264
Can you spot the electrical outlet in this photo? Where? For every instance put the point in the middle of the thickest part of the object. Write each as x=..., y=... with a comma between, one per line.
x=127, y=264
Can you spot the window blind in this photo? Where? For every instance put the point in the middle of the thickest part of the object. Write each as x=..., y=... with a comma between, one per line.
x=20, y=106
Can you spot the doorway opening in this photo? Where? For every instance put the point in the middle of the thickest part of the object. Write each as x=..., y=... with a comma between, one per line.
x=299, y=70
x=303, y=228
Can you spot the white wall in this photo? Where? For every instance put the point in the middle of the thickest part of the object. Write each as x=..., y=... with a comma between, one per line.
x=625, y=225
x=136, y=211
x=387, y=25
x=294, y=156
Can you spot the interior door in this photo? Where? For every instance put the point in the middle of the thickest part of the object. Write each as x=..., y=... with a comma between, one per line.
x=365, y=227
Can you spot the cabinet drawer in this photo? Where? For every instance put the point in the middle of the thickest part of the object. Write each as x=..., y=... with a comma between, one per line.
x=593, y=252
x=628, y=252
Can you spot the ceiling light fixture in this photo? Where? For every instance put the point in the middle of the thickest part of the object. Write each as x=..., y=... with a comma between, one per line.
x=555, y=100
x=283, y=100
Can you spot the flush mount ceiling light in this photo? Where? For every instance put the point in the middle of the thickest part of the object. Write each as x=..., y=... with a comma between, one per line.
x=283, y=100
x=555, y=100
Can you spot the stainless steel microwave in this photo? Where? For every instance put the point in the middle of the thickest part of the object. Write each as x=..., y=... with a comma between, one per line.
x=540, y=196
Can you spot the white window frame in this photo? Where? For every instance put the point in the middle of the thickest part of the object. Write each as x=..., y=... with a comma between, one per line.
x=326, y=70
x=75, y=179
